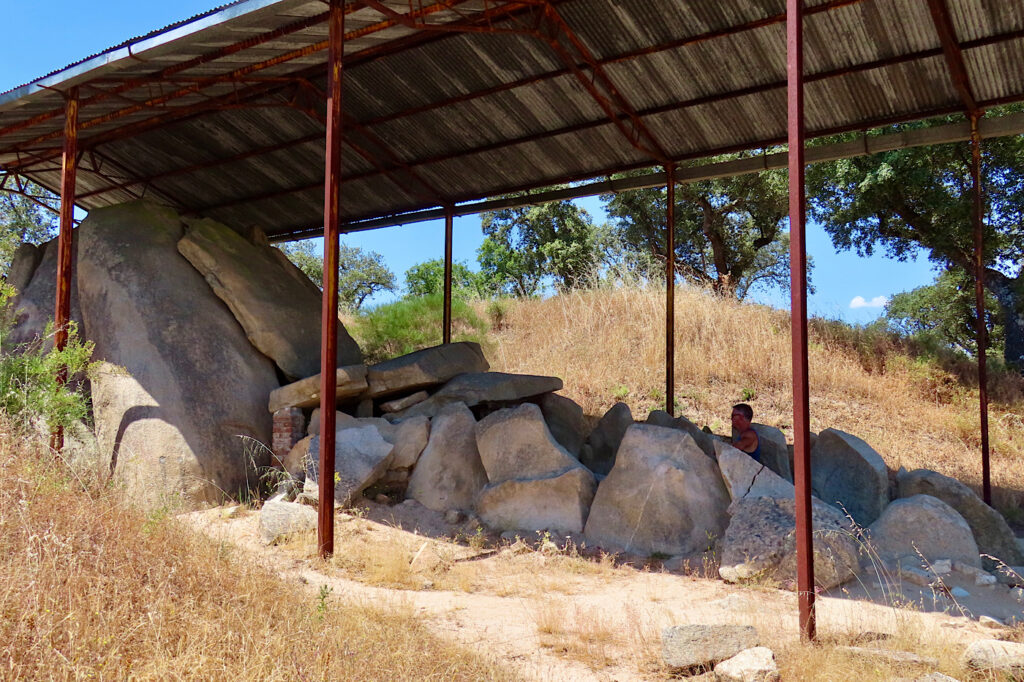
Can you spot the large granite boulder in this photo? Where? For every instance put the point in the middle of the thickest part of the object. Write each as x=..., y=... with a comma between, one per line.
x=558, y=503
x=746, y=478
x=663, y=495
x=774, y=450
x=425, y=368
x=760, y=542
x=516, y=443
x=705, y=441
x=33, y=274
x=183, y=414
x=350, y=382
x=990, y=529
x=276, y=303
x=361, y=456
x=924, y=526
x=565, y=420
x=848, y=474
x=482, y=387
x=598, y=453
x=409, y=437
x=449, y=474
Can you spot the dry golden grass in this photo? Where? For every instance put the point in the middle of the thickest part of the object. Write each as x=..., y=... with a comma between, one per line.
x=608, y=345
x=93, y=589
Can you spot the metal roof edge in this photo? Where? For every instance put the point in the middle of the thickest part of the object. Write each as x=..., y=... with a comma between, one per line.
x=134, y=47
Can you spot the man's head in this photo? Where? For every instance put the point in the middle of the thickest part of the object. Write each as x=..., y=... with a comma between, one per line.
x=742, y=415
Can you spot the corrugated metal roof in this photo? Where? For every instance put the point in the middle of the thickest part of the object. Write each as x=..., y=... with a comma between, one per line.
x=228, y=120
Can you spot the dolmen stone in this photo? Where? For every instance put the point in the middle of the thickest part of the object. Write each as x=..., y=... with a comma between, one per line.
x=351, y=381
x=926, y=526
x=361, y=456
x=774, y=450
x=182, y=403
x=425, y=368
x=663, y=495
x=483, y=387
x=693, y=647
x=449, y=473
x=280, y=518
x=565, y=420
x=33, y=274
x=409, y=436
x=990, y=529
x=848, y=474
x=399, y=404
x=760, y=542
x=704, y=440
x=533, y=482
x=747, y=478
x=278, y=306
x=598, y=453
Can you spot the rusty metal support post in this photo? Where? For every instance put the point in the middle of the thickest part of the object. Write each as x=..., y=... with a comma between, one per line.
x=670, y=289
x=798, y=316
x=446, y=330
x=329, y=313
x=979, y=295
x=65, y=242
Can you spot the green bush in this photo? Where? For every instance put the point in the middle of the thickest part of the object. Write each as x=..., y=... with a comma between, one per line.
x=29, y=389
x=414, y=323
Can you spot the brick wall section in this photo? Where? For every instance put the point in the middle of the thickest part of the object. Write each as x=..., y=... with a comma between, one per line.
x=289, y=429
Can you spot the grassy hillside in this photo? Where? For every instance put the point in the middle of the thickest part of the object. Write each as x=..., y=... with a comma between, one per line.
x=608, y=345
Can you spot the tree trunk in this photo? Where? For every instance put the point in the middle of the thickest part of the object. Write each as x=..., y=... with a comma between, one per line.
x=1010, y=295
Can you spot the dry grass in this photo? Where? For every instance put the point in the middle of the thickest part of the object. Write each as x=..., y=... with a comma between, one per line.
x=608, y=345
x=93, y=589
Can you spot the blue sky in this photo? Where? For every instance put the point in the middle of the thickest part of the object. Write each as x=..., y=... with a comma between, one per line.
x=44, y=35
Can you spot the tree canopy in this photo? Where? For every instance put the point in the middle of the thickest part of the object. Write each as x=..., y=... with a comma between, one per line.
x=24, y=220
x=361, y=274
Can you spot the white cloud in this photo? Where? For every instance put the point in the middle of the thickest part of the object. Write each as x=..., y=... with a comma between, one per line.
x=876, y=302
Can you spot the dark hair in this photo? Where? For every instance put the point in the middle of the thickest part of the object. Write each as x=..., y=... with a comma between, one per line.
x=744, y=409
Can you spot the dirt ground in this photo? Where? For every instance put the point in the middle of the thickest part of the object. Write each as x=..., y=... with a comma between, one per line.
x=556, y=610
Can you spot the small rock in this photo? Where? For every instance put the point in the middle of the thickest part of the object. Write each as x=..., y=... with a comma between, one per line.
x=959, y=592
x=985, y=580
x=401, y=403
x=686, y=647
x=280, y=518
x=382, y=499
x=1010, y=575
x=454, y=516
x=750, y=665
x=915, y=576
x=989, y=622
x=995, y=656
x=942, y=567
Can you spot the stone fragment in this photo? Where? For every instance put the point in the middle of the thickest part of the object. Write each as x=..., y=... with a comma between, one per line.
x=297, y=459
x=565, y=421
x=848, y=474
x=604, y=440
x=279, y=519
x=691, y=647
x=425, y=368
x=746, y=478
x=1010, y=575
x=558, y=503
x=959, y=592
x=991, y=532
x=926, y=526
x=278, y=306
x=361, y=456
x=663, y=495
x=515, y=443
x=181, y=405
x=991, y=623
x=915, y=575
x=761, y=541
x=750, y=665
x=994, y=656
x=449, y=473
x=399, y=404
x=483, y=387
x=408, y=436
x=351, y=381
x=942, y=566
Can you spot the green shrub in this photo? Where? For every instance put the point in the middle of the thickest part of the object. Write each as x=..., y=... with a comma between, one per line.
x=414, y=323
x=29, y=389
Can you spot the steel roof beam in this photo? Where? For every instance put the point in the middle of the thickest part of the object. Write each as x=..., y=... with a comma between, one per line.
x=954, y=55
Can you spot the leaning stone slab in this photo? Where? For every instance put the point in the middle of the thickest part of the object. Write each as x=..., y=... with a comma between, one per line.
x=995, y=656
x=399, y=404
x=276, y=303
x=990, y=529
x=280, y=518
x=774, y=450
x=923, y=525
x=848, y=474
x=558, y=503
x=306, y=392
x=761, y=542
x=33, y=273
x=425, y=368
x=565, y=421
x=689, y=647
x=361, y=456
x=746, y=478
x=449, y=473
x=182, y=416
x=483, y=387
x=663, y=495
x=598, y=453
x=516, y=443
x=756, y=664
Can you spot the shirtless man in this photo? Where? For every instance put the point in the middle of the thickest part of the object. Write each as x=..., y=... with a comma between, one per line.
x=746, y=437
